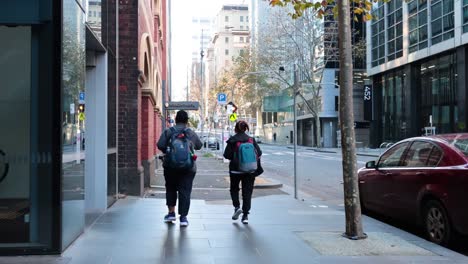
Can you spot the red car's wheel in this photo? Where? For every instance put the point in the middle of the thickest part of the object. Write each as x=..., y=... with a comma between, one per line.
x=436, y=223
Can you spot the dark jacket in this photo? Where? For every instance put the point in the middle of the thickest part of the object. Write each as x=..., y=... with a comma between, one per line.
x=231, y=146
x=195, y=142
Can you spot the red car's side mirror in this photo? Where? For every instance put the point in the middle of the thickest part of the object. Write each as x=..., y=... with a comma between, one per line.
x=371, y=165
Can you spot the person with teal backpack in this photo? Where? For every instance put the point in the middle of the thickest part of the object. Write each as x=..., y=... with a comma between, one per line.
x=244, y=155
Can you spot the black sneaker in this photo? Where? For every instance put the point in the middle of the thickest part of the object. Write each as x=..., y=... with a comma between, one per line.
x=237, y=212
x=245, y=219
x=170, y=217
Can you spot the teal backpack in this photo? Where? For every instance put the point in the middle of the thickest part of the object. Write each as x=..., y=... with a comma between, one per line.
x=246, y=156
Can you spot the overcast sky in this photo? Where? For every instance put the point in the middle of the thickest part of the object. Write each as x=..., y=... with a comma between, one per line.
x=181, y=18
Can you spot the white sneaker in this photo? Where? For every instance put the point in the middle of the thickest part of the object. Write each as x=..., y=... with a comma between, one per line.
x=237, y=212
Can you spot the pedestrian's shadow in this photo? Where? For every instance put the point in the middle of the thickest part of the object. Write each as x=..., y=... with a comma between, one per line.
x=251, y=240
x=175, y=244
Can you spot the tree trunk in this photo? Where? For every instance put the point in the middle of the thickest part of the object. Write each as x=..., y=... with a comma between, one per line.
x=351, y=190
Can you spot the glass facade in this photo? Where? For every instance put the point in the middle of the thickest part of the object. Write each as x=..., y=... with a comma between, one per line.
x=94, y=17
x=393, y=106
x=378, y=35
x=407, y=105
x=387, y=32
x=438, y=93
x=465, y=16
x=394, y=29
x=74, y=129
x=441, y=20
x=29, y=142
x=418, y=33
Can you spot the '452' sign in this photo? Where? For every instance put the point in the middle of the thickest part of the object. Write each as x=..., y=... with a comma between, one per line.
x=368, y=102
x=367, y=93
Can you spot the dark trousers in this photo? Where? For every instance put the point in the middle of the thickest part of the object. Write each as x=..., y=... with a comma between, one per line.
x=179, y=184
x=247, y=182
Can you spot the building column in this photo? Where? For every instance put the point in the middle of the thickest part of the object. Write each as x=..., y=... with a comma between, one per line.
x=461, y=79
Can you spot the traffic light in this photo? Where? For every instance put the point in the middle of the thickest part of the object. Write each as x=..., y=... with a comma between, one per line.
x=81, y=108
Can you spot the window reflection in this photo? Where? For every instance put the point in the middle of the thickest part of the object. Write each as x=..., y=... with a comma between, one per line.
x=73, y=121
x=94, y=17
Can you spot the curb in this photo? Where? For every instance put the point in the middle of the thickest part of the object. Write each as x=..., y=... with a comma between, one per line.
x=367, y=155
x=256, y=186
x=323, y=151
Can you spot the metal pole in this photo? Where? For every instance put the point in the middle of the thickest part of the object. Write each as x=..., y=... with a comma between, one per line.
x=295, y=88
x=202, y=105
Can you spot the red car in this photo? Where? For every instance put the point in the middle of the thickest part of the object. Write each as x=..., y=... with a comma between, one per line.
x=422, y=180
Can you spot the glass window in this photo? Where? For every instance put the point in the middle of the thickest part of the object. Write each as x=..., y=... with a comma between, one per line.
x=394, y=26
x=226, y=40
x=392, y=158
x=226, y=52
x=438, y=93
x=418, y=25
x=465, y=16
x=378, y=36
x=241, y=18
x=226, y=19
x=30, y=128
x=422, y=154
x=442, y=20
x=73, y=158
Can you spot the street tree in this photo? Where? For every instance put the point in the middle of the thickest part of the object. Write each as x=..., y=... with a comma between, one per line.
x=246, y=90
x=305, y=42
x=342, y=10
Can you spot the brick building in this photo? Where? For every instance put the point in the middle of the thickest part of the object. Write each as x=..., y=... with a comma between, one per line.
x=142, y=77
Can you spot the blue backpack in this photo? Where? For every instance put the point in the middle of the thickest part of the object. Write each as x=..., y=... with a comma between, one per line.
x=246, y=156
x=179, y=154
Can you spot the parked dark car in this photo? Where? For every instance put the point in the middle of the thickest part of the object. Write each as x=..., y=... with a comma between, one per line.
x=213, y=143
x=421, y=180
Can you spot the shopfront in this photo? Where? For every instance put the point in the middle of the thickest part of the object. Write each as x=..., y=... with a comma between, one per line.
x=54, y=147
x=426, y=94
x=30, y=141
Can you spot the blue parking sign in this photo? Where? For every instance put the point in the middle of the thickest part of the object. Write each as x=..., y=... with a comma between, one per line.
x=222, y=98
x=81, y=98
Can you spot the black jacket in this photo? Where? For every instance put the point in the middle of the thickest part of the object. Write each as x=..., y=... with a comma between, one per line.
x=231, y=145
x=195, y=142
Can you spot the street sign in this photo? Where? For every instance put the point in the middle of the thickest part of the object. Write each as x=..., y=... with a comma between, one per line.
x=82, y=98
x=229, y=109
x=185, y=105
x=233, y=117
x=222, y=98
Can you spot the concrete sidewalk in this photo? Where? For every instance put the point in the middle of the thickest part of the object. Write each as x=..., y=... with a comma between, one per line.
x=281, y=230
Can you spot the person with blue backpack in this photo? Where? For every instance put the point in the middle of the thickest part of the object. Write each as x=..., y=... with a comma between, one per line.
x=178, y=143
x=244, y=155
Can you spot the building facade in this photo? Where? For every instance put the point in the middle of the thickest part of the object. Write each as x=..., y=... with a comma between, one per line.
x=140, y=91
x=56, y=169
x=71, y=86
x=417, y=60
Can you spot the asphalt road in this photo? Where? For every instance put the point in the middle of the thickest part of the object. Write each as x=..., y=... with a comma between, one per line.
x=318, y=173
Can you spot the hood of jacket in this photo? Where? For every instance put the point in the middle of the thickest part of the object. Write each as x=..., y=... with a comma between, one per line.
x=238, y=137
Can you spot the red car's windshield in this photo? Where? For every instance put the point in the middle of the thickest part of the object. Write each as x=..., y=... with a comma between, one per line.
x=460, y=141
